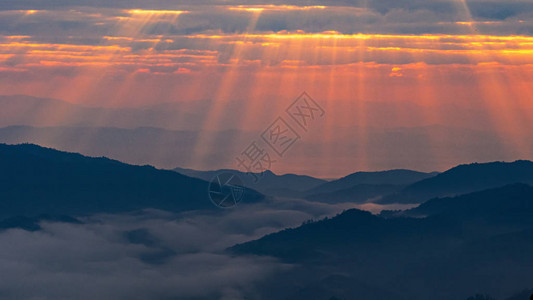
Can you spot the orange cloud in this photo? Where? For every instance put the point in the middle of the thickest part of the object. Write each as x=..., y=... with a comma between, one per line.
x=155, y=12
x=260, y=8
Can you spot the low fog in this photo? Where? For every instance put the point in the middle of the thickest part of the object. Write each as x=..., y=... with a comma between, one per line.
x=148, y=254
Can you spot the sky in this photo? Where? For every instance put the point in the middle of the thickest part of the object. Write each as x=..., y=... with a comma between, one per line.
x=444, y=57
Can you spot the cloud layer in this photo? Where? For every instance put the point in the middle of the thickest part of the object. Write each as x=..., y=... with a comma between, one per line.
x=124, y=43
x=147, y=255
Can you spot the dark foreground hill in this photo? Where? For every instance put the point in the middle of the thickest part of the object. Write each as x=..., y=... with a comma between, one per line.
x=507, y=200
x=36, y=180
x=464, y=179
x=475, y=243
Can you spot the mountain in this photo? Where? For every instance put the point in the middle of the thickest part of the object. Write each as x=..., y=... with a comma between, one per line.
x=392, y=177
x=359, y=193
x=478, y=203
x=461, y=247
x=464, y=179
x=287, y=185
x=105, y=134
x=112, y=132
x=36, y=180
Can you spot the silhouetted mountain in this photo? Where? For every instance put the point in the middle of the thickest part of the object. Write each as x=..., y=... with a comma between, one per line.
x=288, y=185
x=392, y=177
x=36, y=180
x=464, y=179
x=357, y=194
x=462, y=247
x=516, y=198
x=134, y=143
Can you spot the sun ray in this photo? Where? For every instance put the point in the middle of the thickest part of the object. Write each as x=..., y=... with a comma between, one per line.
x=348, y=71
x=495, y=99
x=222, y=95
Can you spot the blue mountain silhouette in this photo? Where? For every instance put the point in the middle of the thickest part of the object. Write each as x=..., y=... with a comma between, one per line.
x=465, y=179
x=36, y=180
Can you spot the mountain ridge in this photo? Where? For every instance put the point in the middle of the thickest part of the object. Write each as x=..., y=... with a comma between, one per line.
x=400, y=253
x=387, y=177
x=35, y=180
x=463, y=179
x=285, y=185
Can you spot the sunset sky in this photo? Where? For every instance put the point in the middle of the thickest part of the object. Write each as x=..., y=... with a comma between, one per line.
x=442, y=56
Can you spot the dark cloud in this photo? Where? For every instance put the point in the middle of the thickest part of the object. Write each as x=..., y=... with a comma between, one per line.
x=89, y=18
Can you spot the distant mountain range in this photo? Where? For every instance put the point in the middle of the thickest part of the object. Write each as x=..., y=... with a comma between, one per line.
x=130, y=134
x=36, y=180
x=478, y=203
x=464, y=179
x=364, y=186
x=356, y=188
x=452, y=249
x=287, y=185
x=184, y=115
x=394, y=186
x=391, y=177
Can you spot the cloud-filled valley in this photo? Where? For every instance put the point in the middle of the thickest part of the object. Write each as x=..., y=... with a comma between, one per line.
x=147, y=254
